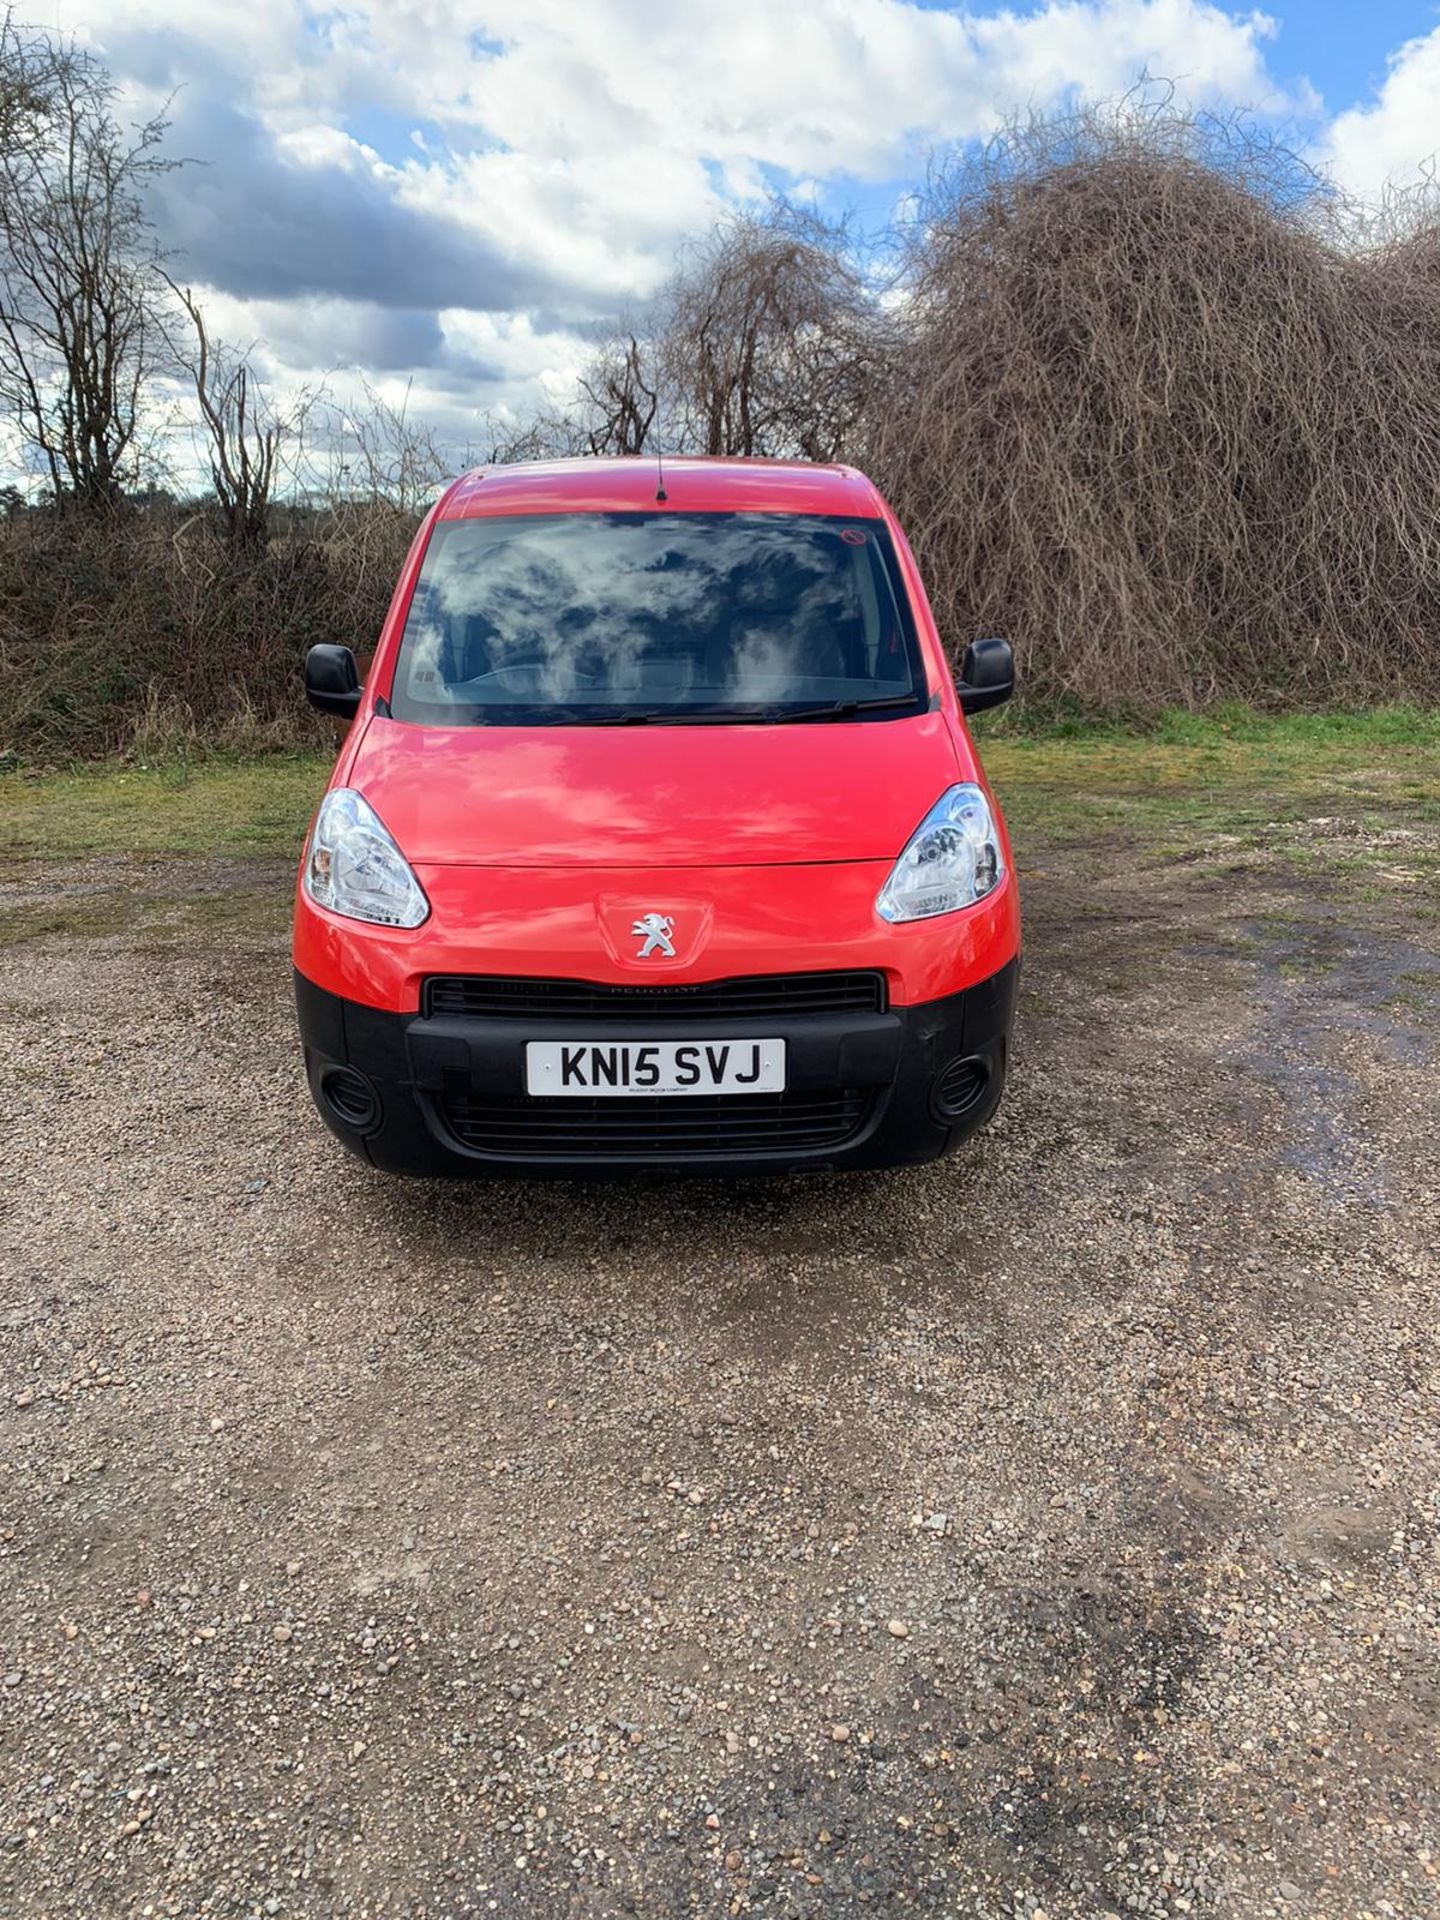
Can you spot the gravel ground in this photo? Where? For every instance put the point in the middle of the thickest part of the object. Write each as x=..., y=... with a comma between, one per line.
x=1048, y=1532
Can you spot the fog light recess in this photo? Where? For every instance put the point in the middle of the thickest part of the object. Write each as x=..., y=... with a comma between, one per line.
x=959, y=1087
x=351, y=1098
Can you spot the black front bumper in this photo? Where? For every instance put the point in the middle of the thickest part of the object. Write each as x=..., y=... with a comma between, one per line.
x=445, y=1094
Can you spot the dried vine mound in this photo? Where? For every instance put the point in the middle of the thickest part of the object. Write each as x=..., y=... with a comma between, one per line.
x=1159, y=422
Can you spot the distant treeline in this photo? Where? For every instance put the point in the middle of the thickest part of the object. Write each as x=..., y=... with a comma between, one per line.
x=1150, y=398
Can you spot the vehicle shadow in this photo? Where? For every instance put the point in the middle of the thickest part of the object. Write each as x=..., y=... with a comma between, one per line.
x=732, y=1218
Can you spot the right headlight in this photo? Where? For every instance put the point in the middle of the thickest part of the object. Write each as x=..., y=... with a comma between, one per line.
x=951, y=860
x=352, y=866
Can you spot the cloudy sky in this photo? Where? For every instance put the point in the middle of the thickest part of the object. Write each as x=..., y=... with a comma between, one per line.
x=449, y=191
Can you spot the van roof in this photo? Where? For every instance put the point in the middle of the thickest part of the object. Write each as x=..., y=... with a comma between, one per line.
x=691, y=484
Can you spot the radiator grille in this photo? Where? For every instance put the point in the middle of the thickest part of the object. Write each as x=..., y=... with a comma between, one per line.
x=778, y=995
x=701, y=1126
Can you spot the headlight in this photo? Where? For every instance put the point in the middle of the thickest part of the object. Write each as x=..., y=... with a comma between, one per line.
x=951, y=860
x=354, y=867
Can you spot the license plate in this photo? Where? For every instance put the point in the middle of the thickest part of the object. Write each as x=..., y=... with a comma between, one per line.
x=585, y=1068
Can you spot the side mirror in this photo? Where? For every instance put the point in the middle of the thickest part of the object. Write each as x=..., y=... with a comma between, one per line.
x=987, y=675
x=332, y=681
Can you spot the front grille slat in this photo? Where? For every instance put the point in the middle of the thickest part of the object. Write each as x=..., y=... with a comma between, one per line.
x=666, y=1128
x=781, y=996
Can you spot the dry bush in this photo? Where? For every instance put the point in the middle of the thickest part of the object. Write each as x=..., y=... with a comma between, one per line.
x=1158, y=416
x=153, y=629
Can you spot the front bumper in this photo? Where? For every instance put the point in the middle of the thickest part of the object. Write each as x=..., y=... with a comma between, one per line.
x=864, y=1090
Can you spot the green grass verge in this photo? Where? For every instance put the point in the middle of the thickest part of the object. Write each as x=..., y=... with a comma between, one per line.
x=1232, y=772
x=151, y=913
x=1189, y=778
x=259, y=806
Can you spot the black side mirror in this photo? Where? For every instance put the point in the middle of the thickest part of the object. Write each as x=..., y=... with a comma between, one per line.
x=332, y=681
x=987, y=675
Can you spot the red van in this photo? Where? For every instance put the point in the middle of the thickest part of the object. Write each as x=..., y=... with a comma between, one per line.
x=658, y=841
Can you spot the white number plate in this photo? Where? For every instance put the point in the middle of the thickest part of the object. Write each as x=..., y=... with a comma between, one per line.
x=589, y=1067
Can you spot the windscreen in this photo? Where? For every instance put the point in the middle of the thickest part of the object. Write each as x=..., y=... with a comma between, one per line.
x=595, y=618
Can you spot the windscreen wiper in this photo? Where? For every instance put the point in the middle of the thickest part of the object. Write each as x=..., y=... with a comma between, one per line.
x=672, y=716
x=843, y=709
x=734, y=716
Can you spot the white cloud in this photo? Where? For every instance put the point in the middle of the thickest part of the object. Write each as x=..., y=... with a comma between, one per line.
x=590, y=135
x=1395, y=138
x=461, y=368
x=835, y=85
x=603, y=130
x=470, y=182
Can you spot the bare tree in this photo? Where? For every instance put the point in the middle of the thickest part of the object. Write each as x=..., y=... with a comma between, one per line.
x=243, y=429
x=551, y=434
x=382, y=457
x=24, y=92
x=766, y=341
x=620, y=396
x=79, y=268
x=766, y=336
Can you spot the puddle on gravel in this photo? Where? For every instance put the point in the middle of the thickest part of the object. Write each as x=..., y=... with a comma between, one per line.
x=1326, y=996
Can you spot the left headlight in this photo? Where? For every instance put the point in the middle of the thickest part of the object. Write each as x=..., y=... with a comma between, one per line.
x=951, y=860
x=352, y=866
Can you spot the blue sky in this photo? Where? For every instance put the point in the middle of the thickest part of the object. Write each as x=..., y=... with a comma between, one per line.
x=452, y=197
x=1341, y=47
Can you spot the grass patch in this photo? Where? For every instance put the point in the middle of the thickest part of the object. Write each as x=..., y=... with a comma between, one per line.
x=1398, y=724
x=259, y=806
x=84, y=916
x=1231, y=773
x=222, y=913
